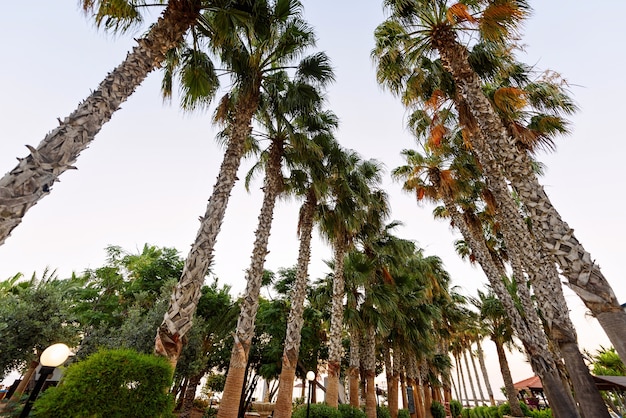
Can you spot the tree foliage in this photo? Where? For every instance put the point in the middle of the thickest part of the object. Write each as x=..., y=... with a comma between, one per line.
x=111, y=384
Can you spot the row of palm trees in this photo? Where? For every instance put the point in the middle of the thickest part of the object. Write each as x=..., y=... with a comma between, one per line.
x=478, y=118
x=478, y=115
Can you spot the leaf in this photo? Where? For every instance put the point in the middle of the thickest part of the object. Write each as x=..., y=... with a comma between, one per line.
x=458, y=13
x=510, y=99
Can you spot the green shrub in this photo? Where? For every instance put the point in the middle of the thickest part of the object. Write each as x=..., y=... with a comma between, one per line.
x=349, y=411
x=111, y=384
x=455, y=408
x=404, y=413
x=318, y=410
x=210, y=413
x=465, y=413
x=382, y=412
x=437, y=410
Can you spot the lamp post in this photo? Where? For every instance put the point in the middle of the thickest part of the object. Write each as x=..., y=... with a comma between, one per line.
x=310, y=376
x=53, y=356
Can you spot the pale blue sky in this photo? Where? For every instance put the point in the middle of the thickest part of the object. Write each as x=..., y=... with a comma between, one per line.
x=150, y=171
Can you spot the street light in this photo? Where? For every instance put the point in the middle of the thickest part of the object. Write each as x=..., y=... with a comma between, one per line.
x=310, y=376
x=53, y=356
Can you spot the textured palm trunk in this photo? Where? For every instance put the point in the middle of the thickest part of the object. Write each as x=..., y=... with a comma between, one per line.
x=178, y=319
x=462, y=383
x=558, y=239
x=414, y=382
x=369, y=364
x=272, y=187
x=189, y=396
x=511, y=393
x=457, y=362
x=34, y=175
x=394, y=382
x=284, y=400
x=26, y=378
x=469, y=377
x=405, y=400
x=528, y=329
x=527, y=254
x=480, y=389
x=483, y=369
x=336, y=326
x=353, y=370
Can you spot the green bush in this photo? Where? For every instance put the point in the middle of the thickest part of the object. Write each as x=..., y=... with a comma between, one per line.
x=455, y=408
x=318, y=410
x=382, y=412
x=349, y=411
x=437, y=410
x=404, y=413
x=465, y=413
x=111, y=384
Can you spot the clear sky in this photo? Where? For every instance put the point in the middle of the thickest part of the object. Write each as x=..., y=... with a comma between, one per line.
x=148, y=174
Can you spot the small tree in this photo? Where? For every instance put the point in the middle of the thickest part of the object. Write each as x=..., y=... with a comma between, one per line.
x=111, y=384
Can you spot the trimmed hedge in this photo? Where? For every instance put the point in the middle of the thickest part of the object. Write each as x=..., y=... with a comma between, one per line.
x=318, y=410
x=111, y=384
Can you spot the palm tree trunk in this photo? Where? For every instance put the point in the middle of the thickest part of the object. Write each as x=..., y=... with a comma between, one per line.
x=26, y=378
x=469, y=377
x=405, y=400
x=34, y=175
x=529, y=332
x=459, y=379
x=189, y=396
x=394, y=383
x=369, y=363
x=254, y=276
x=463, y=384
x=483, y=368
x=353, y=370
x=178, y=319
x=284, y=401
x=336, y=326
x=480, y=390
x=527, y=254
x=511, y=393
x=558, y=239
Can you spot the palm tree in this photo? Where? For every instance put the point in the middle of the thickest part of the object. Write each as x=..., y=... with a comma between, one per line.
x=280, y=106
x=494, y=317
x=34, y=176
x=277, y=37
x=443, y=186
x=307, y=178
x=340, y=222
x=439, y=24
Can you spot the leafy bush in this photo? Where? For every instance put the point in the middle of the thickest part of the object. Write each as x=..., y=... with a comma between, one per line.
x=111, y=384
x=318, y=410
x=404, y=413
x=349, y=411
x=455, y=408
x=210, y=413
x=437, y=410
x=382, y=412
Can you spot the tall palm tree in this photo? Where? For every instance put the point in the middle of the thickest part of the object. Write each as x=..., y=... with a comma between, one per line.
x=34, y=175
x=277, y=37
x=340, y=222
x=494, y=318
x=440, y=23
x=444, y=186
x=308, y=178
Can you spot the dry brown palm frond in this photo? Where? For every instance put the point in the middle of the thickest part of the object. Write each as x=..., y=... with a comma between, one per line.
x=510, y=99
x=459, y=13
